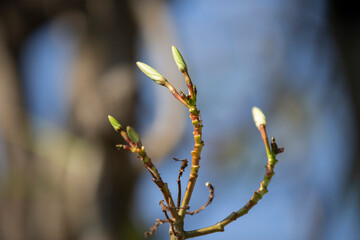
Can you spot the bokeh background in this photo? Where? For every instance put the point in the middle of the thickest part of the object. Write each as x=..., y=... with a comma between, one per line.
x=66, y=65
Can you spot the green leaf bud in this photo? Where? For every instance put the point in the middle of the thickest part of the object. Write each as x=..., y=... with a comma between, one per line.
x=179, y=60
x=132, y=134
x=114, y=123
x=151, y=73
x=259, y=117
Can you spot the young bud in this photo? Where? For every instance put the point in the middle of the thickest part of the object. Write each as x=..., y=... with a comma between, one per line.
x=132, y=134
x=151, y=73
x=179, y=59
x=259, y=117
x=120, y=146
x=114, y=123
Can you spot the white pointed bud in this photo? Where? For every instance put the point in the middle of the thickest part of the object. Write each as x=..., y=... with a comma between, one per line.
x=179, y=60
x=259, y=117
x=151, y=73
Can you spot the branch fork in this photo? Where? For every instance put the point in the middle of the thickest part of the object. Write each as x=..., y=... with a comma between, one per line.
x=179, y=210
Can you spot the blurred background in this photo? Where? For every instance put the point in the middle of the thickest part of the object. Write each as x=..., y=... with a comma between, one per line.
x=66, y=65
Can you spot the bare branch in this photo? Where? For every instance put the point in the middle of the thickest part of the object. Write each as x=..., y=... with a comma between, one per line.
x=211, y=197
x=165, y=209
x=184, y=164
x=154, y=228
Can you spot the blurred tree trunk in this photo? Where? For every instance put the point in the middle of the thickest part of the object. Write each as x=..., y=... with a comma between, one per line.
x=345, y=22
x=13, y=128
x=103, y=84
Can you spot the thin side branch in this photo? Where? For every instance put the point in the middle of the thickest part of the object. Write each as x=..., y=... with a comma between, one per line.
x=123, y=147
x=211, y=197
x=158, y=181
x=184, y=164
x=139, y=149
x=154, y=228
x=165, y=209
x=125, y=136
x=176, y=94
x=269, y=173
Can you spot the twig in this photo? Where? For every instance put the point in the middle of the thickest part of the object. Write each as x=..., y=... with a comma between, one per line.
x=197, y=123
x=189, y=85
x=176, y=94
x=165, y=209
x=211, y=197
x=184, y=164
x=274, y=147
x=158, y=180
x=269, y=173
x=135, y=146
x=123, y=147
x=154, y=228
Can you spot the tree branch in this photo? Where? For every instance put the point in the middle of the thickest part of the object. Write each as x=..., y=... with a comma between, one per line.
x=269, y=173
x=184, y=164
x=211, y=197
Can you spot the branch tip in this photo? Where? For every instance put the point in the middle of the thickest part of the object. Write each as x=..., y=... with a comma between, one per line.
x=259, y=117
x=152, y=73
x=179, y=60
x=114, y=123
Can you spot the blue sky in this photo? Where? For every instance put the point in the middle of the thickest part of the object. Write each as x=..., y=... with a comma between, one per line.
x=272, y=54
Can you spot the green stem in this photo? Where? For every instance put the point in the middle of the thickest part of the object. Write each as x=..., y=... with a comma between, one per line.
x=197, y=123
x=269, y=173
x=176, y=94
x=189, y=85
